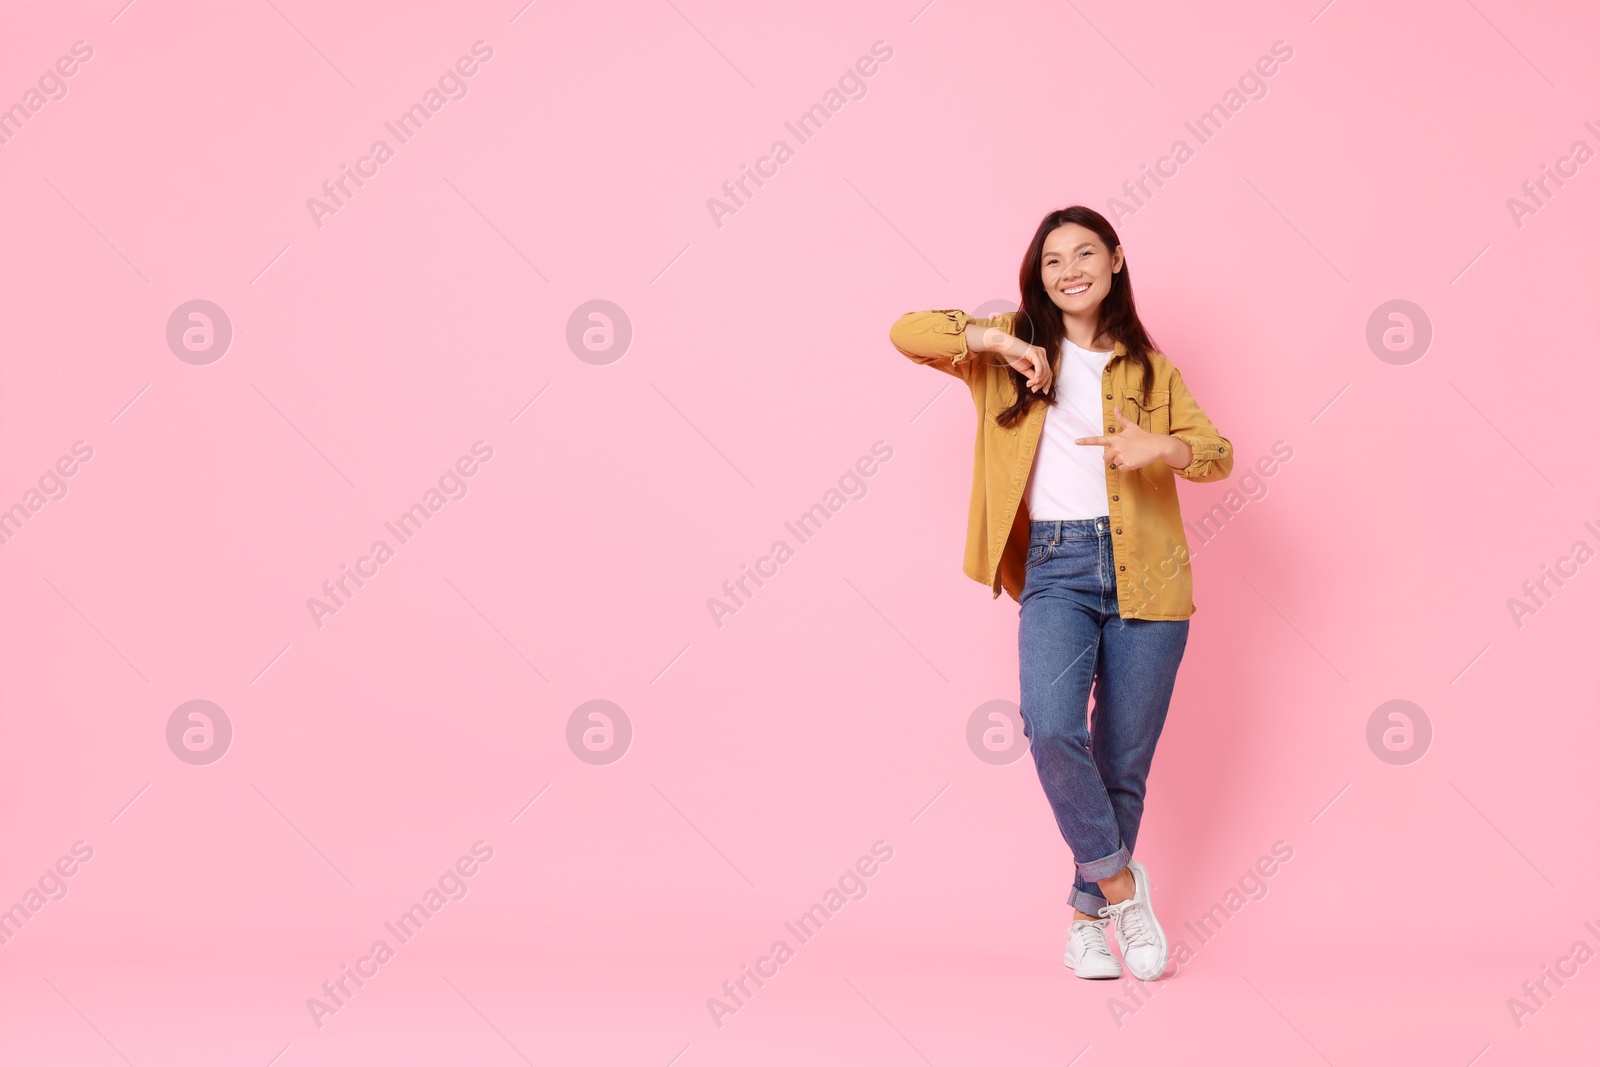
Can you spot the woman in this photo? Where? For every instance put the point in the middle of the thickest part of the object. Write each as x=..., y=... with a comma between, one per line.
x=1082, y=528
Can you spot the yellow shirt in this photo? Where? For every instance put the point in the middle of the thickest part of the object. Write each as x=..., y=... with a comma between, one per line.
x=1147, y=539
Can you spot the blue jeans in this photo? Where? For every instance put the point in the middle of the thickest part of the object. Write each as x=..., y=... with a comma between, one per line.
x=1069, y=636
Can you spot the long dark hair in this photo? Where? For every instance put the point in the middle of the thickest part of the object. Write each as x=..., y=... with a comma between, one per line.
x=1038, y=320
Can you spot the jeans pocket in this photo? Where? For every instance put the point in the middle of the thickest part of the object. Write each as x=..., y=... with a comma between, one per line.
x=1037, y=551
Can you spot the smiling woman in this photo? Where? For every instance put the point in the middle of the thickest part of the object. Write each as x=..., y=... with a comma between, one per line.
x=1076, y=545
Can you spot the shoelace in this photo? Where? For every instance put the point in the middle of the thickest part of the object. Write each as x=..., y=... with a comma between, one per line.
x=1094, y=939
x=1129, y=920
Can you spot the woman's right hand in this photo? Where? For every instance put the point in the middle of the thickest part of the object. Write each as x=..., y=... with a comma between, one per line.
x=1028, y=359
x=1031, y=361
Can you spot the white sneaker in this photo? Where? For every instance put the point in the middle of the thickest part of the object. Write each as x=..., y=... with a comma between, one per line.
x=1143, y=942
x=1087, y=953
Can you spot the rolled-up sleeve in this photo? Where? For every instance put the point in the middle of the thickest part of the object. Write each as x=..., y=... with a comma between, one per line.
x=1213, y=453
x=935, y=339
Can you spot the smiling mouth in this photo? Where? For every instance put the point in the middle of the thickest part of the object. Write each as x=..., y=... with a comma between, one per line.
x=1075, y=290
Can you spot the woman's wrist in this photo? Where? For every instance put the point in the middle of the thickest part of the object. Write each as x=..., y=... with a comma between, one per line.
x=1178, y=454
x=987, y=339
x=974, y=338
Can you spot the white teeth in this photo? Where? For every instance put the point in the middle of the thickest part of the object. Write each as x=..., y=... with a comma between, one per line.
x=1075, y=290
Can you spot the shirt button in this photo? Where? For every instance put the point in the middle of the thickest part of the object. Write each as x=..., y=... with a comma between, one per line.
x=1108, y=396
x=1120, y=567
x=1115, y=497
x=1119, y=529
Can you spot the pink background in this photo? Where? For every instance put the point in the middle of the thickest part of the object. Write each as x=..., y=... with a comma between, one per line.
x=767, y=755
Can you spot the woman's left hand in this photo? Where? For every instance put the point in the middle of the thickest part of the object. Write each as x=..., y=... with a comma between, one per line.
x=1134, y=446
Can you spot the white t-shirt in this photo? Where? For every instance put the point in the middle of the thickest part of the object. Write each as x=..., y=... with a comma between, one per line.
x=1068, y=480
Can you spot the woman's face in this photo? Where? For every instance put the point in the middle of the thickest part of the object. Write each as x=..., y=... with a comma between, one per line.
x=1077, y=267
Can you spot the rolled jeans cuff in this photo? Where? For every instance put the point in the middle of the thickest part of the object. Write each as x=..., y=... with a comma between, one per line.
x=1087, y=903
x=1095, y=870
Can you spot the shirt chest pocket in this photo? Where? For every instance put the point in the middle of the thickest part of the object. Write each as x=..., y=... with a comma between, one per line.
x=1154, y=414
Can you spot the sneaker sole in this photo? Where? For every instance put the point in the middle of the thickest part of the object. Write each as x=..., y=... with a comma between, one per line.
x=1109, y=968
x=1161, y=935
